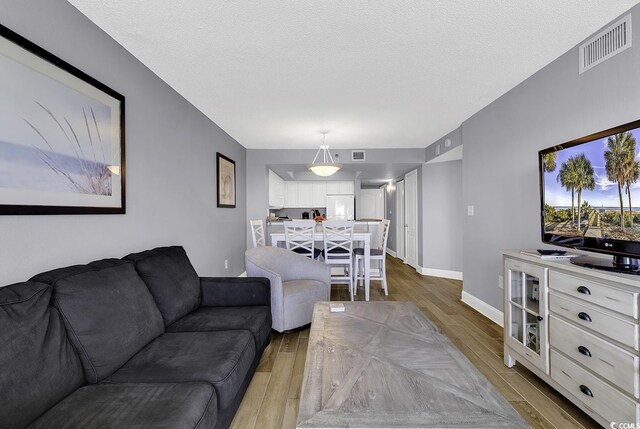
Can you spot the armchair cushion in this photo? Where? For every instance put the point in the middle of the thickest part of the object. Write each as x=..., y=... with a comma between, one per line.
x=171, y=278
x=234, y=291
x=158, y=406
x=255, y=319
x=39, y=365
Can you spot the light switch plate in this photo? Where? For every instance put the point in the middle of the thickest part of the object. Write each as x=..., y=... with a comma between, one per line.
x=470, y=210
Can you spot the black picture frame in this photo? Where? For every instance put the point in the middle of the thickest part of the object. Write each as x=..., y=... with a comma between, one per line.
x=94, y=181
x=225, y=181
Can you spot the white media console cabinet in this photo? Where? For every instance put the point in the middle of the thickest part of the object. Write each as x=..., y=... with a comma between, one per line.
x=577, y=329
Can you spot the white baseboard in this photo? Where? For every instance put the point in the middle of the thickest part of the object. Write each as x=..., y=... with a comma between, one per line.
x=435, y=272
x=243, y=274
x=392, y=253
x=483, y=308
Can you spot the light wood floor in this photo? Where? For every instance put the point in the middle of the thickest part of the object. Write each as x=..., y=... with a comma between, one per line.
x=272, y=398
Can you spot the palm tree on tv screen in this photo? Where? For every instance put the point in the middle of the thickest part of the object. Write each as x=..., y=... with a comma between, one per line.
x=621, y=166
x=632, y=171
x=584, y=177
x=549, y=161
x=567, y=178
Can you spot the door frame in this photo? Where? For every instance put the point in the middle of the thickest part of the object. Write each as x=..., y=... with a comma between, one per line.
x=400, y=222
x=407, y=198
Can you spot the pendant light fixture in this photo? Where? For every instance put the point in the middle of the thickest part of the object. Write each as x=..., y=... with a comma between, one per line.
x=327, y=166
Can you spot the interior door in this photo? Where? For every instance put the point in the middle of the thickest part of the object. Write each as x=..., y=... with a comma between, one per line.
x=411, y=216
x=400, y=221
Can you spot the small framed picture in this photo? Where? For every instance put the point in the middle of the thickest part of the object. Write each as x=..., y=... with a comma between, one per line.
x=226, y=181
x=61, y=135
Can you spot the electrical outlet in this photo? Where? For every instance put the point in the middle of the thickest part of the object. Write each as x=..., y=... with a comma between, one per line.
x=500, y=282
x=470, y=210
x=226, y=264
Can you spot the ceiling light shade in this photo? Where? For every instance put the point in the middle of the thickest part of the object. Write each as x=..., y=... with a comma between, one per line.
x=327, y=166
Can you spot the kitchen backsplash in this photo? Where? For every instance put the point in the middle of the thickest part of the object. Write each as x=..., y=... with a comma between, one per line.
x=296, y=213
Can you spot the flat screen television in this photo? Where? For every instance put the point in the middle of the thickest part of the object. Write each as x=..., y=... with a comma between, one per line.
x=590, y=197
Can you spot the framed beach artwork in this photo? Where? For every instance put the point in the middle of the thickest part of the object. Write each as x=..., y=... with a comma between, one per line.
x=61, y=135
x=226, y=181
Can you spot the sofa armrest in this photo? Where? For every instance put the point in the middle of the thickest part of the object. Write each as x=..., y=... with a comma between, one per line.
x=235, y=291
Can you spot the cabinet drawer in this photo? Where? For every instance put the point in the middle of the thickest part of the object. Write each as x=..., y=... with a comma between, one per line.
x=590, y=317
x=606, y=401
x=595, y=354
x=619, y=300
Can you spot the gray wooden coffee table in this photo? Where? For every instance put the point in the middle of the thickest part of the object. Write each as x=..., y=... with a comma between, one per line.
x=385, y=365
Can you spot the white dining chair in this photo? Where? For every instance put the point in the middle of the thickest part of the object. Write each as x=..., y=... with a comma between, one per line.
x=257, y=232
x=378, y=253
x=338, y=250
x=300, y=237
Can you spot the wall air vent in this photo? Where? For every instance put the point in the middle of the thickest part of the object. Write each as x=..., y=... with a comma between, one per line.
x=604, y=45
x=357, y=155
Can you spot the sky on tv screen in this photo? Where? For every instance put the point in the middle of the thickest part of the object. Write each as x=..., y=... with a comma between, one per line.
x=605, y=193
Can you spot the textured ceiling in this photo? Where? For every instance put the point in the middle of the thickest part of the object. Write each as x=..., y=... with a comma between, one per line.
x=375, y=74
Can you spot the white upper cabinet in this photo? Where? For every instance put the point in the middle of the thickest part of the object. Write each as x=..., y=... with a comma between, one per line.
x=319, y=194
x=305, y=194
x=340, y=188
x=309, y=194
x=291, y=194
x=276, y=191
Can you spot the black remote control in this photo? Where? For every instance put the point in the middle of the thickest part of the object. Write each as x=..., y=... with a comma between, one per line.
x=551, y=252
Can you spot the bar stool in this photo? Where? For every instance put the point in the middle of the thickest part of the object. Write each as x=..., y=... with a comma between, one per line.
x=379, y=253
x=300, y=237
x=338, y=249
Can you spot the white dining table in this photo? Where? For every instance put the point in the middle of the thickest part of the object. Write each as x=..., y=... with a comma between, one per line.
x=364, y=236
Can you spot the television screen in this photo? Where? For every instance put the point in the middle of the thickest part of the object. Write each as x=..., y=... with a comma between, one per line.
x=590, y=191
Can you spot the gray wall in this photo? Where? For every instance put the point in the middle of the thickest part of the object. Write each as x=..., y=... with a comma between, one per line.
x=500, y=170
x=171, y=155
x=442, y=215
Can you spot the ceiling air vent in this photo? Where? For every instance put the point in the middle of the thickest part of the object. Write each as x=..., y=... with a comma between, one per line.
x=357, y=155
x=604, y=45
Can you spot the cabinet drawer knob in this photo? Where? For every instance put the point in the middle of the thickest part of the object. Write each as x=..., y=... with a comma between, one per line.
x=585, y=351
x=585, y=290
x=584, y=389
x=584, y=316
x=539, y=318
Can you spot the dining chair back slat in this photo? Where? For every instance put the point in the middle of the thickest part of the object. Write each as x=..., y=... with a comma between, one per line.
x=300, y=236
x=257, y=232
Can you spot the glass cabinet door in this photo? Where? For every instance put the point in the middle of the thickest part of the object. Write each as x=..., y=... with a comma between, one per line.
x=525, y=304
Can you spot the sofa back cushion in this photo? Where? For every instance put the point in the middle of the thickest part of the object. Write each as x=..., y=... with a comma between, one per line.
x=39, y=367
x=172, y=280
x=108, y=311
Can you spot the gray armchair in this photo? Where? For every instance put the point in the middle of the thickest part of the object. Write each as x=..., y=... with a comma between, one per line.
x=297, y=282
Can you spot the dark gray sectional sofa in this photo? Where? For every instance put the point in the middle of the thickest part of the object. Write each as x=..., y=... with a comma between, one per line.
x=135, y=342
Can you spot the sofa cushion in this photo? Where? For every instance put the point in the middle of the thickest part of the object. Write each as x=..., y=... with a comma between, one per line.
x=171, y=278
x=162, y=405
x=222, y=358
x=110, y=315
x=255, y=319
x=38, y=365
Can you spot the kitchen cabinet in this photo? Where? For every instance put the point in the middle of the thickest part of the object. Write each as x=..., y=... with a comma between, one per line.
x=276, y=191
x=305, y=194
x=291, y=194
x=319, y=194
x=340, y=188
